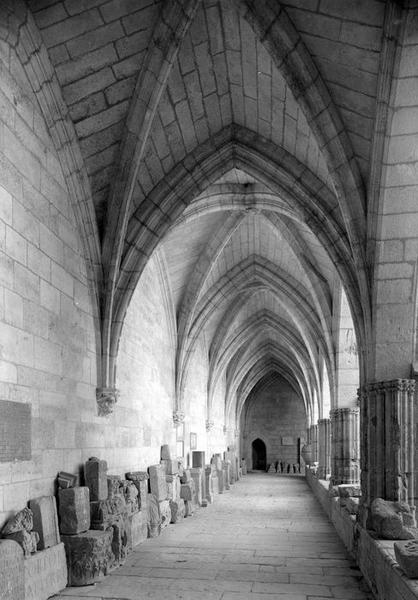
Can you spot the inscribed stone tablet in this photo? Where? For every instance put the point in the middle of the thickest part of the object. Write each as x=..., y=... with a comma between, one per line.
x=12, y=578
x=45, y=521
x=15, y=431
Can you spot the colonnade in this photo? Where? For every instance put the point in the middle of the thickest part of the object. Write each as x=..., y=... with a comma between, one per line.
x=371, y=445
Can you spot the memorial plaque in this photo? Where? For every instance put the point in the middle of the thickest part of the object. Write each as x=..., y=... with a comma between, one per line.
x=45, y=521
x=287, y=441
x=12, y=577
x=15, y=431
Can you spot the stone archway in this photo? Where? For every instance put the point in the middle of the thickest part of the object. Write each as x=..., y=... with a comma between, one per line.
x=259, y=455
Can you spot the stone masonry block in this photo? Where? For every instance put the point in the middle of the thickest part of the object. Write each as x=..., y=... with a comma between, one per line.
x=89, y=556
x=45, y=573
x=95, y=473
x=74, y=510
x=45, y=521
x=158, y=484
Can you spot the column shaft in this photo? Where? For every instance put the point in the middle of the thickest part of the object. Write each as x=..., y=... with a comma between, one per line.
x=345, y=456
x=387, y=443
x=324, y=450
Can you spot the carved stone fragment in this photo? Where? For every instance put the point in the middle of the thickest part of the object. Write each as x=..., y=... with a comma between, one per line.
x=22, y=520
x=95, y=473
x=392, y=520
x=140, y=480
x=45, y=521
x=28, y=540
x=177, y=510
x=165, y=513
x=154, y=516
x=158, y=484
x=136, y=529
x=406, y=554
x=45, y=573
x=74, y=510
x=89, y=556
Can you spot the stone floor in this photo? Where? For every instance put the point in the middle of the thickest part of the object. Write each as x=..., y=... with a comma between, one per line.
x=265, y=539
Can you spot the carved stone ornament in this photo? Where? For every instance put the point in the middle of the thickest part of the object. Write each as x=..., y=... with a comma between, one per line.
x=178, y=417
x=106, y=400
x=209, y=425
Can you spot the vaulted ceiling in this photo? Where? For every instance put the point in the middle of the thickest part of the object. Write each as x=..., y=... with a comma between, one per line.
x=235, y=138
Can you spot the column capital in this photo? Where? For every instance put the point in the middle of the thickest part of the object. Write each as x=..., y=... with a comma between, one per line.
x=323, y=421
x=106, y=398
x=178, y=417
x=209, y=425
x=346, y=410
x=391, y=385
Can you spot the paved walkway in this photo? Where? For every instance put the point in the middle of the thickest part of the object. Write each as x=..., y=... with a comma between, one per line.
x=265, y=539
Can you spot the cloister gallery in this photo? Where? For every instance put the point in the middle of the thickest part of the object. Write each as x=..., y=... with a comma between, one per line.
x=208, y=265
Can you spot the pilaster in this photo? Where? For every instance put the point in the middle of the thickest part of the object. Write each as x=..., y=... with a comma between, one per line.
x=345, y=446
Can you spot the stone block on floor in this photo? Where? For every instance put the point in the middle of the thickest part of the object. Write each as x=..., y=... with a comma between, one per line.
x=154, y=516
x=140, y=479
x=136, y=529
x=12, y=574
x=89, y=556
x=45, y=573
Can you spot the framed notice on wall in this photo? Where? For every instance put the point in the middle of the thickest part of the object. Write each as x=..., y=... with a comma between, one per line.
x=193, y=441
x=287, y=441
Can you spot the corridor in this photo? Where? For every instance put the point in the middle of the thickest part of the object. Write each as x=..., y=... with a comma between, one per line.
x=265, y=539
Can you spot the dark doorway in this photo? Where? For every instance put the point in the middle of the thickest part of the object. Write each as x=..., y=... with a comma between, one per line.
x=259, y=455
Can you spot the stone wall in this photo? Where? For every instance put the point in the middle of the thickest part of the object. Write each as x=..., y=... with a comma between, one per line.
x=47, y=326
x=275, y=414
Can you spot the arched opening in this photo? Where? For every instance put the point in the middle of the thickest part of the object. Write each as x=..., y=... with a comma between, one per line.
x=259, y=455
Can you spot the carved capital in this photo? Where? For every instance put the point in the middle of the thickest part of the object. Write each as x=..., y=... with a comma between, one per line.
x=178, y=417
x=349, y=410
x=209, y=425
x=393, y=385
x=236, y=433
x=106, y=399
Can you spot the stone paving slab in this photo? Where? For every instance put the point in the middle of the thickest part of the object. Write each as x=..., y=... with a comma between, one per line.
x=248, y=545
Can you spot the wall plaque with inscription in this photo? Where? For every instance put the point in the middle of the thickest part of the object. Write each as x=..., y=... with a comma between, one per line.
x=15, y=431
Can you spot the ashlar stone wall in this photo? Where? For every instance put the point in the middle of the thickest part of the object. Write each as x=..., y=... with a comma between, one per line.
x=276, y=415
x=47, y=325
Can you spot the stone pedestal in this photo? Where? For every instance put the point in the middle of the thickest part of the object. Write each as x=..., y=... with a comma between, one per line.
x=95, y=474
x=226, y=467
x=324, y=448
x=45, y=573
x=12, y=576
x=243, y=466
x=136, y=529
x=208, y=485
x=345, y=455
x=387, y=443
x=177, y=510
x=89, y=556
x=197, y=474
x=74, y=510
x=158, y=484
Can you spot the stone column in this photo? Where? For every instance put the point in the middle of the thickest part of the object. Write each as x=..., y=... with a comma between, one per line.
x=387, y=443
x=345, y=446
x=324, y=449
x=313, y=435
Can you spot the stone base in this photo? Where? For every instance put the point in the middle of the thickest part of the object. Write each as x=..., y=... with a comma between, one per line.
x=119, y=541
x=45, y=573
x=89, y=556
x=136, y=529
x=12, y=574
